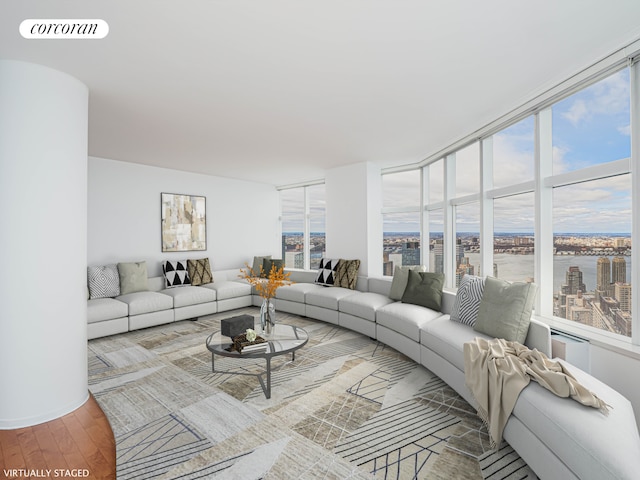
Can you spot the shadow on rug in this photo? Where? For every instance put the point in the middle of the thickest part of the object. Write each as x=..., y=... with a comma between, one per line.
x=347, y=408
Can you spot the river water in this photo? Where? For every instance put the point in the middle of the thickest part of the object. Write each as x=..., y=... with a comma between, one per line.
x=520, y=267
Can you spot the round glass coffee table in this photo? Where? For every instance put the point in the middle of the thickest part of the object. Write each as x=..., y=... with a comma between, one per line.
x=283, y=339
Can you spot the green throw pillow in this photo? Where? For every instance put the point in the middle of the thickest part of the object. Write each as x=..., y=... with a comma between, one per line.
x=425, y=289
x=268, y=263
x=505, y=309
x=133, y=277
x=400, y=278
x=257, y=263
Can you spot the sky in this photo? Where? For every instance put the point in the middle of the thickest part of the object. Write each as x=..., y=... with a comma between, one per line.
x=590, y=127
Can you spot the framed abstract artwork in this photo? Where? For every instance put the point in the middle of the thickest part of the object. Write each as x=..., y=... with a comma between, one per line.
x=184, y=222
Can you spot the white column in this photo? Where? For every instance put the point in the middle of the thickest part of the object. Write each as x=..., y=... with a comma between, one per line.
x=353, y=218
x=43, y=246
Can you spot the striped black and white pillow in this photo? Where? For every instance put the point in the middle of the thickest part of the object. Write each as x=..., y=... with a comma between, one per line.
x=468, y=298
x=104, y=281
x=176, y=273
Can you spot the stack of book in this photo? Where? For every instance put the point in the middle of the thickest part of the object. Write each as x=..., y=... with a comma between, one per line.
x=255, y=347
x=242, y=345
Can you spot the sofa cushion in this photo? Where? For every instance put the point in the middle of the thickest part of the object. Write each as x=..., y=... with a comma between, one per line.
x=101, y=309
x=133, y=277
x=229, y=289
x=103, y=281
x=347, y=273
x=175, y=273
x=425, y=289
x=591, y=444
x=199, y=271
x=297, y=291
x=468, y=298
x=327, y=297
x=327, y=271
x=146, y=302
x=505, y=309
x=400, y=279
x=190, y=295
x=405, y=318
x=364, y=304
x=446, y=338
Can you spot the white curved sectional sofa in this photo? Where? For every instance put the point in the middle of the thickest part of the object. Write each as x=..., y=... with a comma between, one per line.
x=557, y=437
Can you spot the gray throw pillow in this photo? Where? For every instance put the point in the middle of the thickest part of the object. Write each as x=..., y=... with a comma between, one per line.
x=425, y=289
x=505, y=309
x=133, y=277
x=400, y=278
x=468, y=298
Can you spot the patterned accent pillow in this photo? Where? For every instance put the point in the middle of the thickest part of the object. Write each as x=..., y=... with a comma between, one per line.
x=104, y=281
x=327, y=271
x=199, y=271
x=468, y=298
x=347, y=273
x=175, y=273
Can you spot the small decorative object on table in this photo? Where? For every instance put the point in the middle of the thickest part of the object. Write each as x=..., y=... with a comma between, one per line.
x=266, y=286
x=248, y=342
x=234, y=326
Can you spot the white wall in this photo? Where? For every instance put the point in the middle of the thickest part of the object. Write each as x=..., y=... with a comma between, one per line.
x=43, y=245
x=124, y=215
x=353, y=215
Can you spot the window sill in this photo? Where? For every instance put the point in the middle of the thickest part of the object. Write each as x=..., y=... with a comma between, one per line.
x=609, y=341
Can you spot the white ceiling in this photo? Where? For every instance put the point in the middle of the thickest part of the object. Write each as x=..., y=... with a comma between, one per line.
x=278, y=91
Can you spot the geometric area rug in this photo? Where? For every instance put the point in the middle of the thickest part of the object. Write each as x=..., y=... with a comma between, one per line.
x=349, y=407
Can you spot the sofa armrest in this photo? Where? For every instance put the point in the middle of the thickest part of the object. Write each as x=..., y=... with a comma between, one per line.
x=539, y=336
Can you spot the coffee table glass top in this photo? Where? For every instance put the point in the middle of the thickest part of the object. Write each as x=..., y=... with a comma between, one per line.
x=283, y=339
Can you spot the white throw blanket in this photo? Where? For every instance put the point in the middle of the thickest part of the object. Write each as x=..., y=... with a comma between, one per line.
x=497, y=370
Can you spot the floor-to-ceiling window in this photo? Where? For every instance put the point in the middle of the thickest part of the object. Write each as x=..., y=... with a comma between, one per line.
x=592, y=208
x=302, y=214
x=401, y=221
x=545, y=198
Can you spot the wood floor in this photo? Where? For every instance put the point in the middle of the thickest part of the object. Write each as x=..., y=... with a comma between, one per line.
x=78, y=445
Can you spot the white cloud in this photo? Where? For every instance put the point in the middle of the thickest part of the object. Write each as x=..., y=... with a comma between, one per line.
x=607, y=97
x=625, y=130
x=577, y=112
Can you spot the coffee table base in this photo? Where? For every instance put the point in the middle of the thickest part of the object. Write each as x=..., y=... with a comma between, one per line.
x=265, y=388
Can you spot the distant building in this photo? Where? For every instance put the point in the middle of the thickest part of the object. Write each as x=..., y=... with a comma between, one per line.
x=411, y=253
x=603, y=278
x=573, y=281
x=619, y=270
x=622, y=294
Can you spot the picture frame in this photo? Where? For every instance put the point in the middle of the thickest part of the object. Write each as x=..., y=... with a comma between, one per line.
x=183, y=222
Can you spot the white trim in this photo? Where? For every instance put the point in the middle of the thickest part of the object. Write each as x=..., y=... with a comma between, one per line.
x=511, y=190
x=587, y=174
